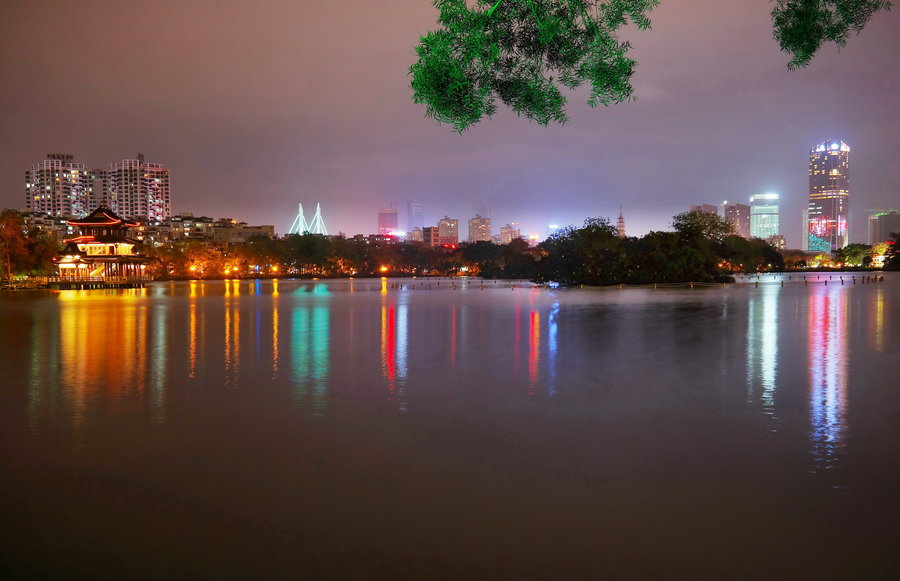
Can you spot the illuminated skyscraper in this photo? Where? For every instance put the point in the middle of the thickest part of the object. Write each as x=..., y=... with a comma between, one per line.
x=414, y=215
x=829, y=196
x=479, y=229
x=387, y=220
x=136, y=188
x=764, y=218
x=58, y=186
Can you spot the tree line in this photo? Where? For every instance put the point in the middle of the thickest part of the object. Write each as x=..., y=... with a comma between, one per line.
x=699, y=248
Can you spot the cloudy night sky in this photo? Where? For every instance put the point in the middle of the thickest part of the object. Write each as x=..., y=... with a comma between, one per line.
x=256, y=106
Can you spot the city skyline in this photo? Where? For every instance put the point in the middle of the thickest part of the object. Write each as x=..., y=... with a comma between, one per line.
x=714, y=119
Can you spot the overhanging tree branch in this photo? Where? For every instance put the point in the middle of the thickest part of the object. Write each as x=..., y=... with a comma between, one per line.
x=520, y=51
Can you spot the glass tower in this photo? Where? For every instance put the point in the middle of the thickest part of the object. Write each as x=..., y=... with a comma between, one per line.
x=829, y=196
x=764, y=215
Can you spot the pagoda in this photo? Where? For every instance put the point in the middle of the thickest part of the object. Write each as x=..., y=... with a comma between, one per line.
x=103, y=251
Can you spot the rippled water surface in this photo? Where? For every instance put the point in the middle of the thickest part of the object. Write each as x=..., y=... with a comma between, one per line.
x=433, y=429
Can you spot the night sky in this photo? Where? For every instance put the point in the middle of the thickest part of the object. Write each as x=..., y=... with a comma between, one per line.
x=256, y=106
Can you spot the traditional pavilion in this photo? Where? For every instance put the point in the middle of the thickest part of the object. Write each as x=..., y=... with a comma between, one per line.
x=103, y=251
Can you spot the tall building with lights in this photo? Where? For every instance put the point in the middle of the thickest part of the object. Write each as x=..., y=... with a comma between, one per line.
x=58, y=186
x=137, y=188
x=738, y=215
x=387, y=220
x=620, y=225
x=479, y=229
x=510, y=232
x=764, y=215
x=414, y=217
x=827, y=224
x=448, y=230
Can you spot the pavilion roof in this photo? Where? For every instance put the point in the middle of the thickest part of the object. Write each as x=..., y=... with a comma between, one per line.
x=102, y=217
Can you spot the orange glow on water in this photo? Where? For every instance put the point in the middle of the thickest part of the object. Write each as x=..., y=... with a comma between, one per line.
x=534, y=345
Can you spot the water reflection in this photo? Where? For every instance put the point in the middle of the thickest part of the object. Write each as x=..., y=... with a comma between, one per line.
x=552, y=346
x=232, y=355
x=876, y=332
x=310, y=349
x=534, y=345
x=827, y=351
x=762, y=348
x=394, y=349
x=94, y=353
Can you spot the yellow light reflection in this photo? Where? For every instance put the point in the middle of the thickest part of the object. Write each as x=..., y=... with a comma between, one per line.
x=275, y=342
x=534, y=345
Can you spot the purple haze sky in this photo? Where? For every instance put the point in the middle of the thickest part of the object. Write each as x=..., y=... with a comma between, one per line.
x=256, y=106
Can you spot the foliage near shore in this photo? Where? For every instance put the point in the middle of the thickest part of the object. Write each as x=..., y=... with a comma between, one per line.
x=23, y=253
x=700, y=249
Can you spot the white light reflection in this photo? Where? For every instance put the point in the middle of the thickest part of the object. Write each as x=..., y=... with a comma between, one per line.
x=762, y=348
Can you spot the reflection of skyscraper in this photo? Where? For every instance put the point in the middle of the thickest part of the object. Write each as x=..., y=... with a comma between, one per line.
x=387, y=220
x=738, y=215
x=827, y=352
x=762, y=347
x=764, y=215
x=829, y=196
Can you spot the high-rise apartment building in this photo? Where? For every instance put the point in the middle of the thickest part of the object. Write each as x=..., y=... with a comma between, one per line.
x=414, y=217
x=136, y=188
x=882, y=225
x=415, y=235
x=58, y=186
x=430, y=236
x=98, y=187
x=827, y=226
x=448, y=230
x=764, y=215
x=479, y=229
x=510, y=232
x=738, y=215
x=387, y=220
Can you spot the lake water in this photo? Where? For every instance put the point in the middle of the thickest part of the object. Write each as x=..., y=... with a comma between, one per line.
x=429, y=429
